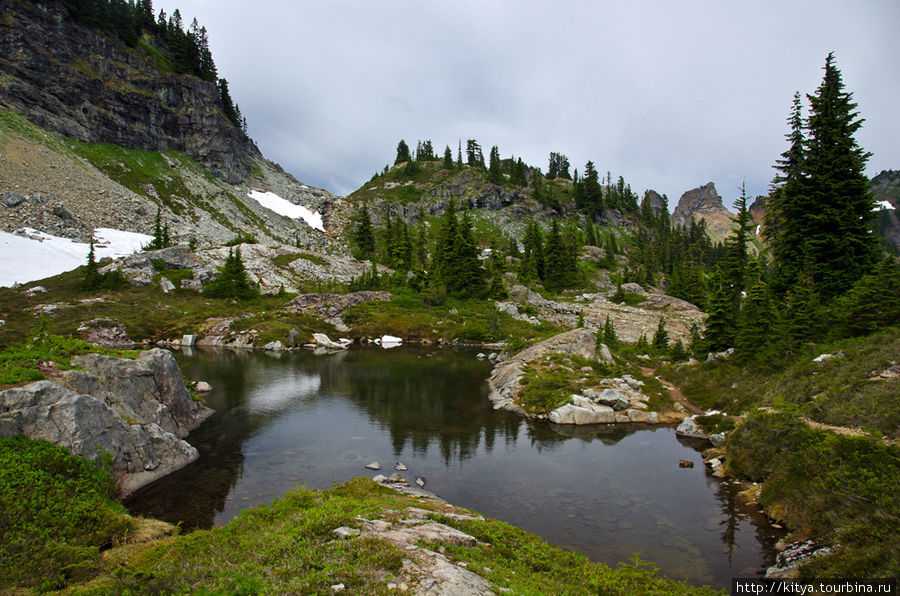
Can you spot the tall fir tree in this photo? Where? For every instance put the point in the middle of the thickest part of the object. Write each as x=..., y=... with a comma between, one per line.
x=402, y=153
x=363, y=236
x=821, y=216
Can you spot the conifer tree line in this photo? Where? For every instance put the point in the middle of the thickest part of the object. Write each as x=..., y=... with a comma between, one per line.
x=186, y=47
x=591, y=194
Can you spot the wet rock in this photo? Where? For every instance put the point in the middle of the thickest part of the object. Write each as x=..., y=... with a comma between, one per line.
x=188, y=340
x=373, y=466
x=685, y=463
x=203, y=387
x=572, y=414
x=320, y=339
x=788, y=562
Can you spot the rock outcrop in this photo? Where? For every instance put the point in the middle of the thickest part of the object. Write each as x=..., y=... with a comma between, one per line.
x=704, y=202
x=503, y=383
x=138, y=411
x=630, y=322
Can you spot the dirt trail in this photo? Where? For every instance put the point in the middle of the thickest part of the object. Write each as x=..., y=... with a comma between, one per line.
x=674, y=391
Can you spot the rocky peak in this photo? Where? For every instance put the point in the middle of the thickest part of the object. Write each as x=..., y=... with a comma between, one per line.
x=88, y=85
x=657, y=202
x=704, y=202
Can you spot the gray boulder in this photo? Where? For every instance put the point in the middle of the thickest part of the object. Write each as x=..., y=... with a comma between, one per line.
x=87, y=427
x=573, y=414
x=148, y=389
x=689, y=428
x=612, y=398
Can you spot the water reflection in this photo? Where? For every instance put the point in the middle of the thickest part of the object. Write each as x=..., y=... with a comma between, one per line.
x=304, y=419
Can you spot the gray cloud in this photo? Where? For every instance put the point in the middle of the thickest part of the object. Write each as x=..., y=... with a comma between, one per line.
x=670, y=95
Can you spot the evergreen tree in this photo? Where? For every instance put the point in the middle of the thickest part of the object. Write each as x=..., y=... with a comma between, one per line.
x=90, y=279
x=558, y=166
x=495, y=174
x=721, y=323
x=228, y=104
x=590, y=236
x=555, y=261
x=448, y=158
x=609, y=334
x=661, y=337
x=822, y=209
x=678, y=353
x=474, y=156
x=232, y=281
x=402, y=153
x=873, y=302
x=755, y=323
x=363, y=236
x=459, y=161
x=531, y=266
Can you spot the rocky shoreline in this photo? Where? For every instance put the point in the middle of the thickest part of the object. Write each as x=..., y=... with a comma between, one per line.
x=137, y=411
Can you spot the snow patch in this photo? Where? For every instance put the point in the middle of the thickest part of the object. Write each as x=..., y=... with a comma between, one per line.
x=37, y=255
x=883, y=205
x=388, y=341
x=758, y=228
x=273, y=202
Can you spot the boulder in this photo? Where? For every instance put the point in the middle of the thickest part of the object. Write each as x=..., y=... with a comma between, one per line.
x=202, y=387
x=604, y=354
x=274, y=346
x=689, y=428
x=612, y=398
x=320, y=339
x=572, y=414
x=189, y=340
x=148, y=389
x=88, y=427
x=165, y=285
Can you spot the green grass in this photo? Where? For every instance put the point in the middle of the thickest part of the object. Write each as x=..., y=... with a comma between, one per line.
x=14, y=124
x=822, y=484
x=468, y=321
x=838, y=391
x=19, y=362
x=56, y=513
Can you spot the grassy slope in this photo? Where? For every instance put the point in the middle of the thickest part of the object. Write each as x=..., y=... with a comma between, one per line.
x=288, y=547
x=839, y=488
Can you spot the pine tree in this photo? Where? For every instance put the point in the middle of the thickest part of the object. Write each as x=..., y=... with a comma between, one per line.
x=363, y=236
x=822, y=210
x=402, y=153
x=448, y=158
x=90, y=279
x=661, y=337
x=531, y=266
x=495, y=174
x=555, y=261
x=609, y=334
x=873, y=302
x=232, y=281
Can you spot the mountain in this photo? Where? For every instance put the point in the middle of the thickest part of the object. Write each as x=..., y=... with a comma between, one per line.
x=704, y=202
x=95, y=132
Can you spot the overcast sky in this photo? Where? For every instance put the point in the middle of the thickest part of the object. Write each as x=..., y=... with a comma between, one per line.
x=669, y=94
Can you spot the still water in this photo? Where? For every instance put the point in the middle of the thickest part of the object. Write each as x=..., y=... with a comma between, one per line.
x=302, y=419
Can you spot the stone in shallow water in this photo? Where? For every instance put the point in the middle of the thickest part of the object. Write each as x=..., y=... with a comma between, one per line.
x=373, y=466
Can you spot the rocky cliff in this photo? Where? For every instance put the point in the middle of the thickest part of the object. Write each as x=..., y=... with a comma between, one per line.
x=88, y=85
x=704, y=203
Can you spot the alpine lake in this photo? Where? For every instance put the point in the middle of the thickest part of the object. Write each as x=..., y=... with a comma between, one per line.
x=302, y=419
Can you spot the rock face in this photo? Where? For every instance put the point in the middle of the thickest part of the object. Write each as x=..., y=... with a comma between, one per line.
x=704, y=203
x=56, y=72
x=138, y=411
x=658, y=203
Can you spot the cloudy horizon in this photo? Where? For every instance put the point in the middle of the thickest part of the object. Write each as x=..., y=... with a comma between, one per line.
x=669, y=95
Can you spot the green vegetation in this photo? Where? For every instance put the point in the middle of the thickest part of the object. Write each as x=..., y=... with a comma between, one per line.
x=408, y=315
x=825, y=484
x=92, y=279
x=288, y=547
x=550, y=382
x=842, y=391
x=232, y=281
x=56, y=513
x=19, y=363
